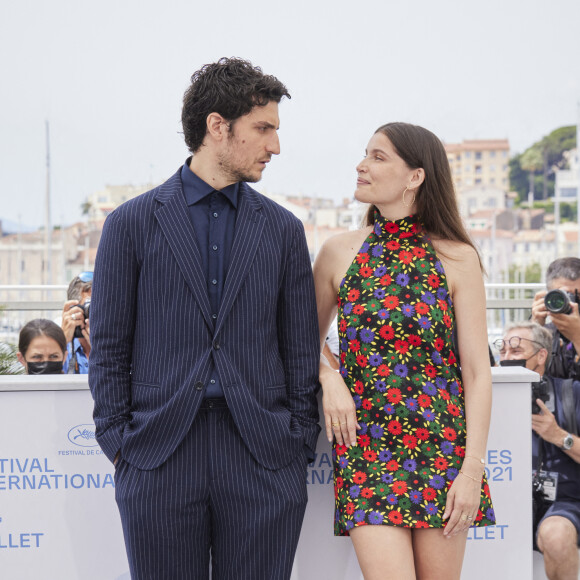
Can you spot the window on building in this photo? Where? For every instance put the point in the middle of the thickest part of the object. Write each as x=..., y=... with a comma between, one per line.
x=478, y=181
x=492, y=180
x=468, y=155
x=478, y=169
x=478, y=155
x=492, y=154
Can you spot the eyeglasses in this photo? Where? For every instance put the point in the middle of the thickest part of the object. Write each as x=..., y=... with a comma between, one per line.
x=85, y=276
x=513, y=342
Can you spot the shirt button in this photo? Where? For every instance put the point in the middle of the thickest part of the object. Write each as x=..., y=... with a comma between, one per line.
x=216, y=344
x=214, y=282
x=199, y=386
x=214, y=316
x=212, y=381
x=214, y=247
x=215, y=214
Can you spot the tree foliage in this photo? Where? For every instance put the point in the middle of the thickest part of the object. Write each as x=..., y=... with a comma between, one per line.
x=535, y=166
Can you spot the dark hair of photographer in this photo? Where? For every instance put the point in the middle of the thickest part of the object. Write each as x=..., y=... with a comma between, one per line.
x=42, y=347
x=231, y=87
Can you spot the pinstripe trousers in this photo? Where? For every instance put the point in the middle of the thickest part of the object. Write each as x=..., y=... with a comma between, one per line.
x=211, y=498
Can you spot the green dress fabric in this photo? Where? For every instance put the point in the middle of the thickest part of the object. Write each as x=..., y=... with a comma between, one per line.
x=395, y=325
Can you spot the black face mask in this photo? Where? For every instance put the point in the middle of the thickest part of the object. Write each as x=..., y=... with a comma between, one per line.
x=51, y=367
x=518, y=362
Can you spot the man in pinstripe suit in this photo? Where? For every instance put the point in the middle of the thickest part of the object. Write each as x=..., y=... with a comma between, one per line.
x=205, y=349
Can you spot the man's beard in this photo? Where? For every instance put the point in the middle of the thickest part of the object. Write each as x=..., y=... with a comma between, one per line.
x=227, y=162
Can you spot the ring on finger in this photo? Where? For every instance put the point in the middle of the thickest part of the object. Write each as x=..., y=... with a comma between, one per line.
x=464, y=518
x=335, y=424
x=469, y=517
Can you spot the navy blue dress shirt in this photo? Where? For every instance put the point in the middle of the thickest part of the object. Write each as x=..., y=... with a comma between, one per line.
x=213, y=214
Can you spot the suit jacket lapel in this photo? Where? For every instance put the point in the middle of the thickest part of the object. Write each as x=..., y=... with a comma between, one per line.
x=174, y=221
x=249, y=226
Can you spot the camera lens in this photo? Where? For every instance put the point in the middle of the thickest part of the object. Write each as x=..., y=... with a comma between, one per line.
x=558, y=302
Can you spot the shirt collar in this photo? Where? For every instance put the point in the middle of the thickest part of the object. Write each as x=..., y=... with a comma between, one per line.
x=195, y=188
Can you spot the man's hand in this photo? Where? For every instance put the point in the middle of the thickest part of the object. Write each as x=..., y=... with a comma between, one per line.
x=71, y=318
x=539, y=310
x=568, y=325
x=546, y=427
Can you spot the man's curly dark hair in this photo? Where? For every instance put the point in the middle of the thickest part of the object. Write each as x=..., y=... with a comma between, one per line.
x=231, y=87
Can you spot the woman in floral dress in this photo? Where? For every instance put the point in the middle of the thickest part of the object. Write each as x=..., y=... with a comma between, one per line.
x=409, y=427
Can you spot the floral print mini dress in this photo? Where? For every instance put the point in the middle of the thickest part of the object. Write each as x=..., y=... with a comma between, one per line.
x=395, y=324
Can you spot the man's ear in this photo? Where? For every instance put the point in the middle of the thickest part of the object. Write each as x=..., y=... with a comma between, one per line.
x=217, y=127
x=542, y=356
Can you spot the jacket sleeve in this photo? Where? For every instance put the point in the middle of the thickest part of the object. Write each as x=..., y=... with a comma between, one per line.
x=297, y=325
x=113, y=315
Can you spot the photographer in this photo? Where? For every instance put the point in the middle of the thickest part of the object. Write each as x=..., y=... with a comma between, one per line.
x=562, y=308
x=75, y=324
x=558, y=530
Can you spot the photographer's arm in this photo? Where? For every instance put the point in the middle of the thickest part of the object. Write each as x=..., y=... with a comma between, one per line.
x=546, y=426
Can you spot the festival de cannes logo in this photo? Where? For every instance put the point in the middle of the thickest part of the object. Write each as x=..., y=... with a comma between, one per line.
x=83, y=436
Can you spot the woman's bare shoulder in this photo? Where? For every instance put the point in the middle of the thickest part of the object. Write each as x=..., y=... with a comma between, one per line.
x=350, y=241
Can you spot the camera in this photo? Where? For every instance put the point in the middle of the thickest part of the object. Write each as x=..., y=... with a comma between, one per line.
x=560, y=302
x=540, y=390
x=85, y=308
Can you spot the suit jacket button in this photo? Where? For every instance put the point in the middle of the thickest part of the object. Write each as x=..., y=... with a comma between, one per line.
x=216, y=344
x=199, y=386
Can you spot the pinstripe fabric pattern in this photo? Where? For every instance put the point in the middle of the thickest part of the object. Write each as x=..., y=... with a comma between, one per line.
x=211, y=491
x=152, y=342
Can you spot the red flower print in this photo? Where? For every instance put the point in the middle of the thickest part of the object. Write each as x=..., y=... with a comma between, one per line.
x=386, y=280
x=442, y=304
x=410, y=441
x=391, y=302
x=401, y=346
x=395, y=427
x=358, y=387
x=392, y=227
x=395, y=517
x=358, y=309
x=365, y=271
x=387, y=332
x=441, y=463
x=394, y=395
x=421, y=525
x=422, y=433
x=384, y=371
x=433, y=280
x=339, y=482
x=449, y=434
x=353, y=295
x=421, y=308
x=370, y=455
x=419, y=252
x=424, y=400
x=438, y=343
x=361, y=361
x=444, y=394
x=350, y=508
x=366, y=404
x=429, y=494
x=366, y=492
x=459, y=451
x=392, y=465
x=364, y=440
x=430, y=371
x=354, y=345
x=405, y=257
x=362, y=258
x=447, y=321
x=451, y=360
x=342, y=325
x=340, y=449
x=393, y=245
x=454, y=410
x=414, y=339
x=359, y=477
x=399, y=487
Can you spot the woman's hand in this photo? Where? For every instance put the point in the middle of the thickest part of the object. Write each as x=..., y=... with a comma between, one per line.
x=462, y=503
x=339, y=409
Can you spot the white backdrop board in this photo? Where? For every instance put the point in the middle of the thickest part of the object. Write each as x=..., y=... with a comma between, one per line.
x=59, y=520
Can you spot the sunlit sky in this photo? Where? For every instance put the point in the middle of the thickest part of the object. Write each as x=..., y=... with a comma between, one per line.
x=109, y=76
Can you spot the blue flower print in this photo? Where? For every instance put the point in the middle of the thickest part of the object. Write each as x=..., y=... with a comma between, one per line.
x=429, y=388
x=424, y=322
x=401, y=370
x=359, y=515
x=428, y=298
x=367, y=335
x=383, y=314
x=431, y=509
x=347, y=309
x=351, y=333
x=411, y=404
x=377, y=251
x=408, y=310
x=379, y=293
x=402, y=279
x=428, y=415
x=375, y=360
x=354, y=491
x=446, y=447
x=409, y=465
x=377, y=431
x=393, y=499
x=381, y=386
x=376, y=518
x=437, y=482
x=416, y=496
x=385, y=455
x=380, y=271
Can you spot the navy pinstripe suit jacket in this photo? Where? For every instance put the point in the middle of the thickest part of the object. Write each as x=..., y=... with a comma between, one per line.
x=152, y=333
